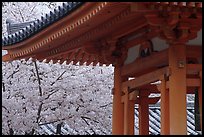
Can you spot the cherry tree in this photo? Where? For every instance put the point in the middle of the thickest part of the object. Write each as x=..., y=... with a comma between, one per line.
x=37, y=93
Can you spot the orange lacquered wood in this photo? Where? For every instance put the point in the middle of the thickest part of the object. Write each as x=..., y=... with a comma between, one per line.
x=177, y=90
x=118, y=106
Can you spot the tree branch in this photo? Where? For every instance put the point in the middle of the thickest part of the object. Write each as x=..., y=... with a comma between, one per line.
x=84, y=117
x=57, y=78
x=39, y=112
x=38, y=78
x=54, y=121
x=5, y=108
x=15, y=71
x=20, y=13
x=51, y=93
x=105, y=105
x=84, y=120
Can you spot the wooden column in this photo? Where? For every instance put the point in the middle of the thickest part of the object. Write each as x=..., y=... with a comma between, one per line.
x=177, y=89
x=131, y=116
x=143, y=113
x=164, y=107
x=200, y=98
x=129, y=112
x=118, y=106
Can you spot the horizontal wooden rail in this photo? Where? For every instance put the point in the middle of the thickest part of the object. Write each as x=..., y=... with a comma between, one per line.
x=157, y=59
x=146, y=78
x=191, y=82
x=152, y=100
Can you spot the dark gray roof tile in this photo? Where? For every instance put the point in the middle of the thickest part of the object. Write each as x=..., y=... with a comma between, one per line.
x=31, y=28
x=155, y=125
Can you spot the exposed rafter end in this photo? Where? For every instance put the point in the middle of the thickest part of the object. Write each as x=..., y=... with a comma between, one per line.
x=6, y=58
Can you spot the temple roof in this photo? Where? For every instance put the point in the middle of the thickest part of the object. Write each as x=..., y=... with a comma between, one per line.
x=34, y=27
x=94, y=32
x=28, y=29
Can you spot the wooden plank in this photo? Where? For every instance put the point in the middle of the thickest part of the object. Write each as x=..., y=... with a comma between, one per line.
x=146, y=78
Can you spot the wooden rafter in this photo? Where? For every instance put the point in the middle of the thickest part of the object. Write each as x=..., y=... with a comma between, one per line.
x=55, y=60
x=95, y=62
x=84, y=58
x=70, y=58
x=90, y=60
x=64, y=57
x=78, y=56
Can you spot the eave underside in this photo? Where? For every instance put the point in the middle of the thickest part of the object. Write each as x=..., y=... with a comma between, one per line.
x=91, y=37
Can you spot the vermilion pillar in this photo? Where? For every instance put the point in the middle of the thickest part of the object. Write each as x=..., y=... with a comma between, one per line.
x=164, y=107
x=177, y=89
x=131, y=117
x=129, y=112
x=143, y=113
x=118, y=106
